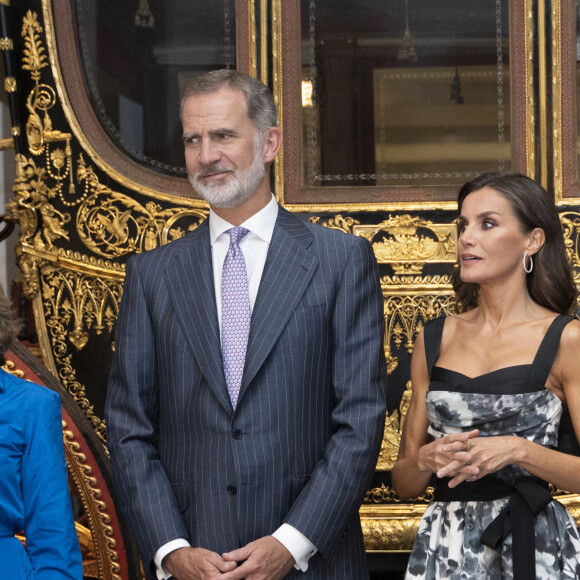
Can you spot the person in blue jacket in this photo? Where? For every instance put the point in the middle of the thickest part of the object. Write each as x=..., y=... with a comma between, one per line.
x=34, y=496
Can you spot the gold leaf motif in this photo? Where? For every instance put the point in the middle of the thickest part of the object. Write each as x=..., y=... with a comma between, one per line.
x=34, y=59
x=337, y=223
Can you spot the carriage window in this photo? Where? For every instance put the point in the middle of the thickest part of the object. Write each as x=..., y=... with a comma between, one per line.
x=137, y=58
x=405, y=92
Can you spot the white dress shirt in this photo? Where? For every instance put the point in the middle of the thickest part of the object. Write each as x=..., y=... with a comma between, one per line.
x=254, y=246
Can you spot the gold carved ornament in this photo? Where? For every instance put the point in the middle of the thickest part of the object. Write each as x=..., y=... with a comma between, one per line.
x=570, y=221
x=10, y=368
x=112, y=224
x=95, y=508
x=75, y=293
x=409, y=242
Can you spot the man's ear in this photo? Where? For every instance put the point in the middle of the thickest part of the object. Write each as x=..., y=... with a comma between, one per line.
x=536, y=240
x=271, y=144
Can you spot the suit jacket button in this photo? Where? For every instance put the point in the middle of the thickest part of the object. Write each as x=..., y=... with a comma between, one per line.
x=232, y=489
x=237, y=433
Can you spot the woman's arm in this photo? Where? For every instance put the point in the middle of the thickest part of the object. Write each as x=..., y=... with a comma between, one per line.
x=418, y=457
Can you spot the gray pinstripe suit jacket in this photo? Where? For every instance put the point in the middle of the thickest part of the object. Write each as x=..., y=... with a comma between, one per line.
x=303, y=441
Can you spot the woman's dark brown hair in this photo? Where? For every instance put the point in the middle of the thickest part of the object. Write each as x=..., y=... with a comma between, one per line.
x=550, y=283
x=9, y=327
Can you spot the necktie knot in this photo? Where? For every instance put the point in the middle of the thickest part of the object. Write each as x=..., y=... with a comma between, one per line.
x=236, y=235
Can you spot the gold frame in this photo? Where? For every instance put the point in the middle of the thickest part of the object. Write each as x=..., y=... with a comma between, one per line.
x=286, y=33
x=564, y=115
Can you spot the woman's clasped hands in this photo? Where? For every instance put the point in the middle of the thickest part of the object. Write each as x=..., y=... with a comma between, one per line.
x=467, y=457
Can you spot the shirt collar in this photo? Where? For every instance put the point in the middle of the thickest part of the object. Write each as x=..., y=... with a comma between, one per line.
x=260, y=224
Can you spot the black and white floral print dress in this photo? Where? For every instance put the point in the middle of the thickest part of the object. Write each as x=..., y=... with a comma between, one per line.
x=510, y=401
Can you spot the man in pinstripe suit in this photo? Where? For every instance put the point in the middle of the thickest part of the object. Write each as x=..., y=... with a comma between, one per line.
x=266, y=485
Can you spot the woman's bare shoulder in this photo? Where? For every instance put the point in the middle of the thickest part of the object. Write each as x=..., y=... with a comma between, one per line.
x=570, y=340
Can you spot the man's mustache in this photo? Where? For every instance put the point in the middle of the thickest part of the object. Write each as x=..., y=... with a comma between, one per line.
x=214, y=169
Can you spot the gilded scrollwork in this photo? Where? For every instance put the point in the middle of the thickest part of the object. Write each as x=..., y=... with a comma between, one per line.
x=571, y=228
x=10, y=367
x=79, y=300
x=404, y=316
x=40, y=100
x=74, y=303
x=385, y=494
x=41, y=224
x=95, y=508
x=338, y=222
x=393, y=430
x=112, y=224
x=397, y=533
x=418, y=283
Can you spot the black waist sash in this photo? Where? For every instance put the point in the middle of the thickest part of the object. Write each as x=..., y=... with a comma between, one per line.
x=528, y=497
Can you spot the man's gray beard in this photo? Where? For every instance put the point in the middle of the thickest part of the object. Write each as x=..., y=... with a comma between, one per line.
x=238, y=189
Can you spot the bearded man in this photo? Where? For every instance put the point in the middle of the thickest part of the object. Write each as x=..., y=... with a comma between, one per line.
x=246, y=402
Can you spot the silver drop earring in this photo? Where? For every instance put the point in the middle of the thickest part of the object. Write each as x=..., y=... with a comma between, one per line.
x=527, y=269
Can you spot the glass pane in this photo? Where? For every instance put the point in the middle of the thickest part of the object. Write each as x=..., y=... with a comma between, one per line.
x=400, y=92
x=138, y=55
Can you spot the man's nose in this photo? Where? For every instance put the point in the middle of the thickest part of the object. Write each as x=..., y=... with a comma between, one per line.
x=209, y=152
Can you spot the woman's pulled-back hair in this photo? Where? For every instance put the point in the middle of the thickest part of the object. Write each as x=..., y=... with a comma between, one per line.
x=550, y=283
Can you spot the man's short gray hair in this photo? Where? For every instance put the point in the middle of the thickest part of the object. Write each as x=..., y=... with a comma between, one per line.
x=259, y=98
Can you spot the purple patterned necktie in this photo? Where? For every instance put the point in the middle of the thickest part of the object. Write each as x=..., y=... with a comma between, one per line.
x=235, y=313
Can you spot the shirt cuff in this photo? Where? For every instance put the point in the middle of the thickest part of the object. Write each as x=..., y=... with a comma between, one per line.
x=163, y=551
x=299, y=546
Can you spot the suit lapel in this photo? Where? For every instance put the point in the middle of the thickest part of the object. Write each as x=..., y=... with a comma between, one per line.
x=190, y=281
x=287, y=273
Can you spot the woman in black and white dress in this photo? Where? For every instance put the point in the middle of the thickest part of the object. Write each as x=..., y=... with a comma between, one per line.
x=489, y=388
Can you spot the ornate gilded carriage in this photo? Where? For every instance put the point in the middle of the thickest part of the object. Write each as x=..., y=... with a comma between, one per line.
x=386, y=108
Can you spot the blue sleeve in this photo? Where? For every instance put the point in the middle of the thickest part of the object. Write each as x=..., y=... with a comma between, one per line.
x=51, y=540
